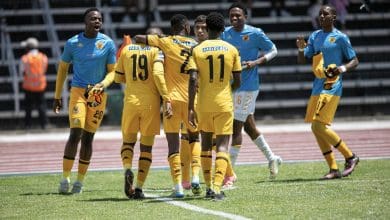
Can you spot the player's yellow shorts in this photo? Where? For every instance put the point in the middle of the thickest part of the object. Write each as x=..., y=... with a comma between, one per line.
x=144, y=119
x=83, y=113
x=220, y=123
x=180, y=115
x=322, y=108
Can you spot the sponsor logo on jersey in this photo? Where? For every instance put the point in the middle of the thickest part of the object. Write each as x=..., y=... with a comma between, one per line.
x=80, y=45
x=245, y=37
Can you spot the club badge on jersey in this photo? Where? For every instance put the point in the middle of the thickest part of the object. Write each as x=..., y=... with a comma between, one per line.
x=93, y=97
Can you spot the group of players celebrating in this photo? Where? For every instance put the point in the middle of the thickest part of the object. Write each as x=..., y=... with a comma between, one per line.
x=208, y=88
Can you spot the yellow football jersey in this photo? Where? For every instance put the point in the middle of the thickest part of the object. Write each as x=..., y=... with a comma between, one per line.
x=216, y=61
x=176, y=49
x=135, y=67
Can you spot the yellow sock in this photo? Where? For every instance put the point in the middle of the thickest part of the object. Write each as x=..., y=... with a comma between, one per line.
x=67, y=164
x=185, y=158
x=127, y=151
x=229, y=168
x=175, y=166
x=333, y=139
x=330, y=159
x=207, y=163
x=344, y=149
x=325, y=137
x=221, y=162
x=144, y=162
x=83, y=167
x=195, y=162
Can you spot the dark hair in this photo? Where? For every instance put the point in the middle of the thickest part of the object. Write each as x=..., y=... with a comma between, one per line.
x=215, y=21
x=89, y=10
x=178, y=21
x=238, y=5
x=332, y=9
x=200, y=19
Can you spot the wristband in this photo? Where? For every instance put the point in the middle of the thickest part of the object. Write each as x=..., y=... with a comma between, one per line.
x=301, y=49
x=343, y=69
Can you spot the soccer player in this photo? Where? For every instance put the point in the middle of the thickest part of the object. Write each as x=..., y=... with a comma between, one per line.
x=93, y=57
x=249, y=41
x=176, y=48
x=187, y=148
x=141, y=68
x=332, y=56
x=200, y=28
x=217, y=63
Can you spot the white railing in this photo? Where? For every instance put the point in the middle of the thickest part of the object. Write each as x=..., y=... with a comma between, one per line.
x=13, y=73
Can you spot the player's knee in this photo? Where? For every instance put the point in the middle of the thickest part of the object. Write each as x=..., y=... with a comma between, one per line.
x=130, y=138
x=251, y=130
x=317, y=127
x=147, y=140
x=75, y=135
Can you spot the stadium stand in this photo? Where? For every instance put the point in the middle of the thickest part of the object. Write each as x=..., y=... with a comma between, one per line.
x=285, y=85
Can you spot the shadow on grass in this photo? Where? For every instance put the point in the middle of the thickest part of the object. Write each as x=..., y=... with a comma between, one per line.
x=57, y=193
x=107, y=200
x=44, y=194
x=299, y=180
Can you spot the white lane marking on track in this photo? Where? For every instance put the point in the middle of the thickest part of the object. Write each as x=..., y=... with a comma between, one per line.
x=115, y=133
x=197, y=208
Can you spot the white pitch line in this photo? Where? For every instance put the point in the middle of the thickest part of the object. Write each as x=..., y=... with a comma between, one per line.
x=115, y=133
x=197, y=208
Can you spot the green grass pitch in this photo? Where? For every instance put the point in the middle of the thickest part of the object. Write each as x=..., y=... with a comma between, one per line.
x=295, y=194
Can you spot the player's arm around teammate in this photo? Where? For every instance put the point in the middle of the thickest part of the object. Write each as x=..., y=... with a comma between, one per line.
x=329, y=49
x=93, y=57
x=176, y=48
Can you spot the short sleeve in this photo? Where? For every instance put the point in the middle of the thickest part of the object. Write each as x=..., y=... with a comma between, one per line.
x=309, y=49
x=67, y=53
x=263, y=41
x=348, y=52
x=191, y=61
x=237, y=62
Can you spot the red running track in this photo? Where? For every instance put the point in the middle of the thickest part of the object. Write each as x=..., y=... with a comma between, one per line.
x=46, y=155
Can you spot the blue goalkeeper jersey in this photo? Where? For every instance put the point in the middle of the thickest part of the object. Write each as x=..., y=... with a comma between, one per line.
x=336, y=49
x=89, y=57
x=250, y=42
